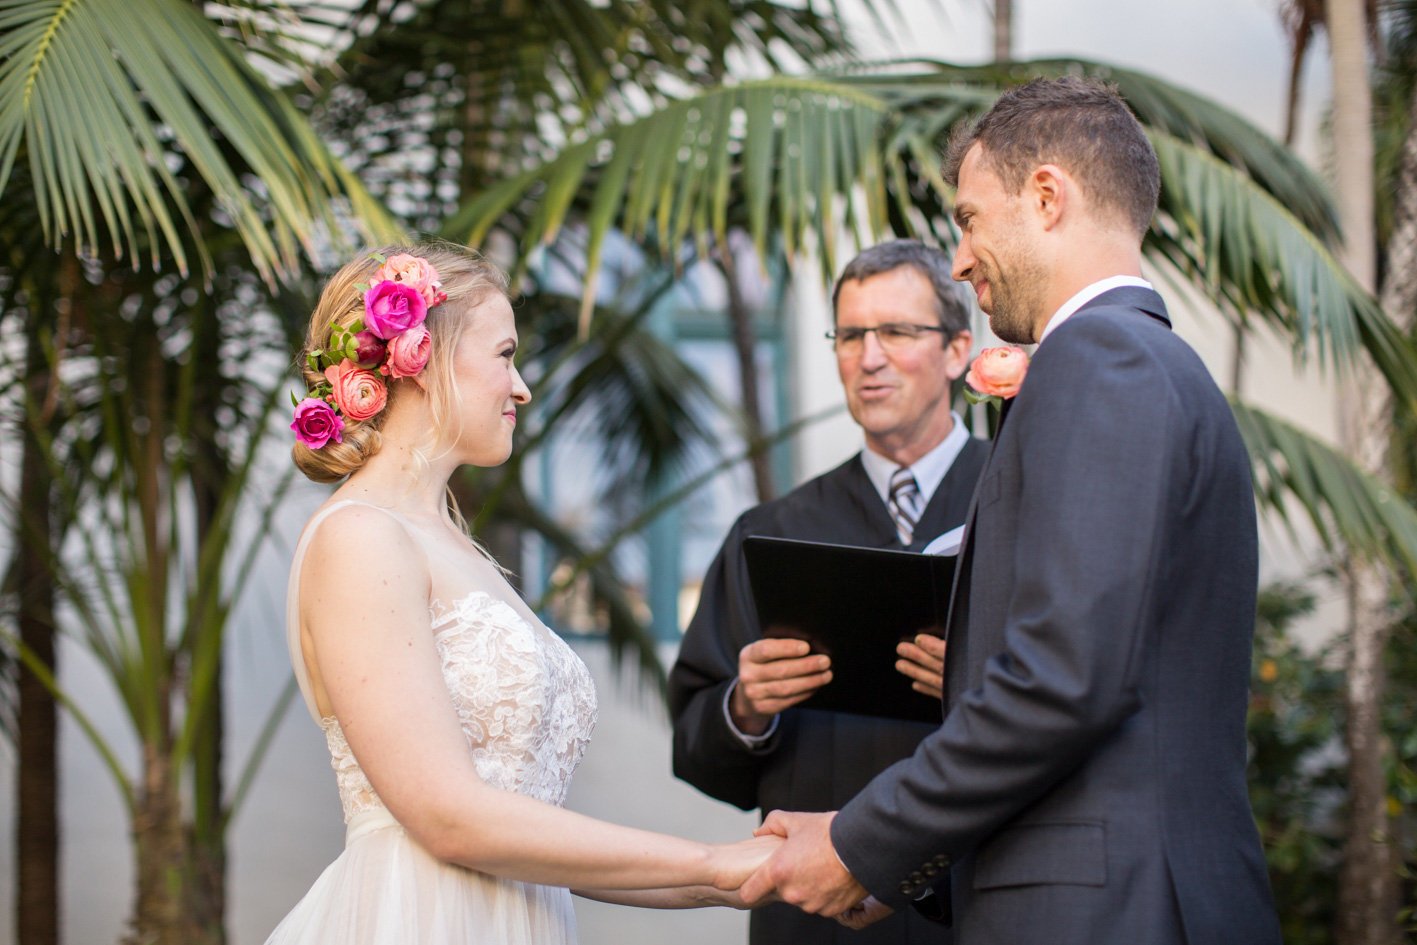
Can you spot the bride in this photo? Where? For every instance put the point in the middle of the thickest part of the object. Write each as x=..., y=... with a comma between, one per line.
x=453, y=717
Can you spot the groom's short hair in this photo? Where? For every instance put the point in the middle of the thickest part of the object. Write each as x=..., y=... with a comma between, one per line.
x=1083, y=126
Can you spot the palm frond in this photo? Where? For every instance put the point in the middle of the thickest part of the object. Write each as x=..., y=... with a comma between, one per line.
x=1347, y=508
x=1213, y=128
x=102, y=98
x=1251, y=255
x=793, y=158
x=806, y=144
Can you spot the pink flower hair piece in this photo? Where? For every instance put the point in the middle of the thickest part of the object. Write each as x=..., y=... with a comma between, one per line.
x=390, y=340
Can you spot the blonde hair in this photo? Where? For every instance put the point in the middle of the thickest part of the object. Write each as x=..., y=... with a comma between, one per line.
x=467, y=278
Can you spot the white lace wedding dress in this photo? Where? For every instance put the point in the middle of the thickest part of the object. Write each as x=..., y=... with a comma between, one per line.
x=527, y=707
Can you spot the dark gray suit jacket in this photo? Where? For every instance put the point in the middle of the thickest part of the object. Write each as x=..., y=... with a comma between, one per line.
x=1088, y=782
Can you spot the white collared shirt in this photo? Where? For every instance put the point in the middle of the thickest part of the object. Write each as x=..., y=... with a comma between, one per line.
x=1087, y=294
x=929, y=470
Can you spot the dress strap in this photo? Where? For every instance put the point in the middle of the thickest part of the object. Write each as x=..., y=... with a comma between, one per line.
x=292, y=597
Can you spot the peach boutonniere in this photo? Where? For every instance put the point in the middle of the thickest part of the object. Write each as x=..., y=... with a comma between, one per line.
x=996, y=375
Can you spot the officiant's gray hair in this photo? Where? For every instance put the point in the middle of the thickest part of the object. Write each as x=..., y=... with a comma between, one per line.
x=950, y=306
x=1080, y=124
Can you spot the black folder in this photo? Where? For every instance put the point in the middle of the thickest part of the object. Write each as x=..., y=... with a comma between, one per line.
x=855, y=605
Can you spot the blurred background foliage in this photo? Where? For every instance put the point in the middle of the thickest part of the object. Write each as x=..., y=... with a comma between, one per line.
x=1297, y=764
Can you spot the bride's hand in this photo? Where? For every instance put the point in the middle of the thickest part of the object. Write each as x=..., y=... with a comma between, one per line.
x=733, y=863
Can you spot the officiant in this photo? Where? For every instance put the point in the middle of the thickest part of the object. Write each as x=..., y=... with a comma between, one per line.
x=901, y=336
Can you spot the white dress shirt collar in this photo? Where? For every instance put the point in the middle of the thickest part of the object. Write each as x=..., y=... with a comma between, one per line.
x=1087, y=294
x=929, y=470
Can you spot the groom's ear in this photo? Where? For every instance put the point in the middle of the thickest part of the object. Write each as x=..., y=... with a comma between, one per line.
x=1049, y=190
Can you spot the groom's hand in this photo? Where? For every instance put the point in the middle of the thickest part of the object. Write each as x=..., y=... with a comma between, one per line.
x=774, y=673
x=805, y=871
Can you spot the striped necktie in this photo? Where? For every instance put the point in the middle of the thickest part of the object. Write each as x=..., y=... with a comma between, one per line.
x=904, y=503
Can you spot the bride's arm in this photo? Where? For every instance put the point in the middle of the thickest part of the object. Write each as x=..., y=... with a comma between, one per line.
x=674, y=897
x=364, y=607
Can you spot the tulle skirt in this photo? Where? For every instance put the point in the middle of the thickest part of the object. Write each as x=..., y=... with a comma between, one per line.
x=384, y=888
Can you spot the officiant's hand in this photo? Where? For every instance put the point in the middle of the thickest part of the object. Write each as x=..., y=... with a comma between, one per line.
x=805, y=871
x=922, y=660
x=774, y=673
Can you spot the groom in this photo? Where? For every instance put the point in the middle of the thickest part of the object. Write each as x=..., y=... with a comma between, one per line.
x=1087, y=784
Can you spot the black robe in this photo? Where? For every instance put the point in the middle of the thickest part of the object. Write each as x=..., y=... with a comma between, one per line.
x=816, y=761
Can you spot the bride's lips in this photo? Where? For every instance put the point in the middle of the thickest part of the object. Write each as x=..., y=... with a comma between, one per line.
x=510, y=415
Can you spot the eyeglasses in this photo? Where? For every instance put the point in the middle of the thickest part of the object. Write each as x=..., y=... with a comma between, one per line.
x=891, y=336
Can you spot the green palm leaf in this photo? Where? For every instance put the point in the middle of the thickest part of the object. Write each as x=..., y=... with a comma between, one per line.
x=1348, y=508
x=1240, y=215
x=102, y=98
x=1252, y=256
x=677, y=170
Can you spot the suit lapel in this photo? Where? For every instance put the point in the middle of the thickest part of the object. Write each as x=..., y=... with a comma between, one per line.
x=962, y=561
x=1137, y=297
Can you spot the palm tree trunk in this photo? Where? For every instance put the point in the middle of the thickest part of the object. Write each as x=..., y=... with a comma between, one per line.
x=1003, y=30
x=1399, y=288
x=1368, y=894
x=159, y=908
x=37, y=771
x=163, y=867
x=1301, y=19
x=1353, y=125
x=1368, y=880
x=745, y=347
x=207, y=891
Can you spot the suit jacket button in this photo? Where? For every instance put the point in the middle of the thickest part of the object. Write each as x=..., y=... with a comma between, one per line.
x=931, y=870
x=917, y=878
x=942, y=860
x=906, y=888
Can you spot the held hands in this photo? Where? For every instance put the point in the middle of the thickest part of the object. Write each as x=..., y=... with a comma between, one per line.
x=733, y=863
x=805, y=871
x=774, y=673
x=923, y=661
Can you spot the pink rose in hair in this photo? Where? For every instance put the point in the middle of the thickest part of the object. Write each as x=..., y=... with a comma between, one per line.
x=414, y=271
x=408, y=352
x=371, y=349
x=316, y=423
x=358, y=393
x=392, y=308
x=998, y=372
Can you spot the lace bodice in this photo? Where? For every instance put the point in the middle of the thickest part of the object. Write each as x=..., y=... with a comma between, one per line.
x=525, y=700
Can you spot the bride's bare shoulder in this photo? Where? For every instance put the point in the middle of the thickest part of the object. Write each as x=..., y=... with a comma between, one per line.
x=356, y=544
